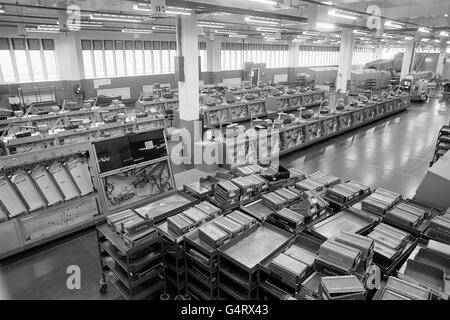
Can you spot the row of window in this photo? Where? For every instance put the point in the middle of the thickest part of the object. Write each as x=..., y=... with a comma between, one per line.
x=23, y=60
x=108, y=58
x=361, y=56
x=234, y=55
x=318, y=56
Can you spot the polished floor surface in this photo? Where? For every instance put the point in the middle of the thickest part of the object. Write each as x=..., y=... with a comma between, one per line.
x=393, y=153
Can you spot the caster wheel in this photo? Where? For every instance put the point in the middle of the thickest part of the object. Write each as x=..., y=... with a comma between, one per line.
x=103, y=287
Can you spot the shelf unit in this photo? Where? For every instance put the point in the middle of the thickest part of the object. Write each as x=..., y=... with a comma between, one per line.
x=275, y=286
x=442, y=144
x=136, y=272
x=238, y=272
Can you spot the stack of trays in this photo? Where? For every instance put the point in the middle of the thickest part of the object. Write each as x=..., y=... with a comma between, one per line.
x=342, y=288
x=389, y=243
x=343, y=193
x=230, y=226
x=309, y=185
x=212, y=235
x=226, y=193
x=380, y=201
x=440, y=228
x=295, y=176
x=128, y=222
x=288, y=268
x=180, y=224
x=259, y=182
x=334, y=254
x=247, y=187
x=289, y=195
x=273, y=201
x=208, y=208
x=362, y=243
x=398, y=289
x=326, y=179
x=407, y=215
x=288, y=219
x=311, y=206
x=248, y=170
x=196, y=215
x=242, y=218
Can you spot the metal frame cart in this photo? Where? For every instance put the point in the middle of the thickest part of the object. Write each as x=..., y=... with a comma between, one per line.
x=137, y=272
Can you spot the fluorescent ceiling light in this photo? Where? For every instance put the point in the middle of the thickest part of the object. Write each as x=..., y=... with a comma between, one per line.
x=360, y=32
x=222, y=31
x=437, y=40
x=42, y=29
x=325, y=25
x=446, y=15
x=409, y=38
x=262, y=20
x=342, y=14
x=127, y=30
x=424, y=30
x=115, y=17
x=212, y=25
x=393, y=24
x=387, y=35
x=273, y=3
x=2, y=9
x=425, y=39
x=311, y=33
x=163, y=28
x=298, y=40
x=330, y=3
x=428, y=59
x=242, y=36
x=444, y=34
x=267, y=29
x=170, y=10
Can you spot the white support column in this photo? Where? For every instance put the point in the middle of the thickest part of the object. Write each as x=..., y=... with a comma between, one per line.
x=68, y=48
x=188, y=89
x=407, y=58
x=293, y=55
x=378, y=52
x=441, y=62
x=214, y=49
x=345, y=60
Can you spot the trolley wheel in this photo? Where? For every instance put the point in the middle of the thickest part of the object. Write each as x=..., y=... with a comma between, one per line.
x=103, y=286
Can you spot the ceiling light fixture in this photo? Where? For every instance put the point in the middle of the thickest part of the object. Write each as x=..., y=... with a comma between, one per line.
x=425, y=39
x=170, y=10
x=128, y=30
x=342, y=14
x=444, y=34
x=163, y=28
x=236, y=35
x=212, y=25
x=311, y=33
x=387, y=35
x=115, y=17
x=325, y=25
x=262, y=20
x=2, y=9
x=267, y=29
x=393, y=24
x=360, y=32
x=424, y=30
x=409, y=38
x=269, y=2
x=223, y=31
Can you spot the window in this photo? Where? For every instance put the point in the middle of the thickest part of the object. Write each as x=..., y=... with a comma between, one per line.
x=109, y=58
x=389, y=53
x=157, y=68
x=23, y=60
x=273, y=55
x=88, y=62
x=148, y=57
x=203, y=56
x=129, y=58
x=120, y=63
x=139, y=57
x=98, y=59
x=165, y=57
x=363, y=55
x=318, y=56
x=172, y=53
x=6, y=65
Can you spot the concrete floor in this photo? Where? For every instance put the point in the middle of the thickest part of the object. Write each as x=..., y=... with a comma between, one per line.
x=393, y=153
